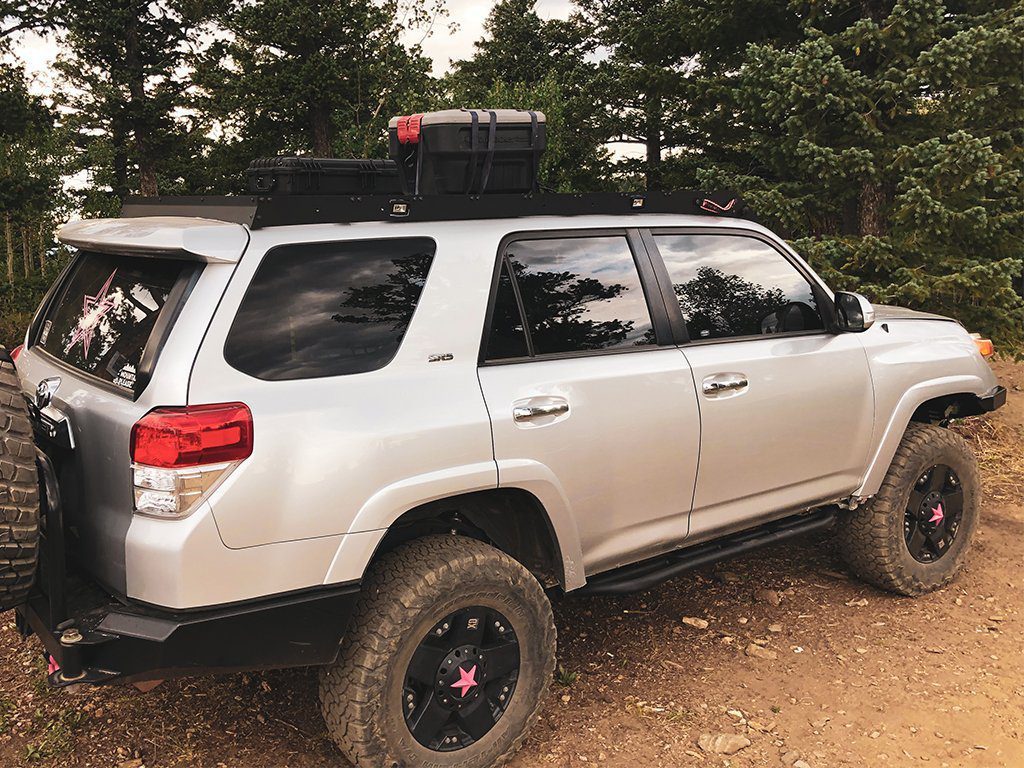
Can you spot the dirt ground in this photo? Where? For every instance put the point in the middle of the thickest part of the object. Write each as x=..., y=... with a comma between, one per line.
x=861, y=678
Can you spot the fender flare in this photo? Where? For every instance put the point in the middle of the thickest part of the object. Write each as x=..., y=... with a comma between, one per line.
x=911, y=400
x=387, y=505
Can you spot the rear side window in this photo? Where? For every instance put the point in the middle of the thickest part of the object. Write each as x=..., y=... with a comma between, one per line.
x=578, y=294
x=730, y=285
x=328, y=309
x=105, y=314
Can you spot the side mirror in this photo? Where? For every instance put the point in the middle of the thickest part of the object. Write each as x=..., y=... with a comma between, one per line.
x=854, y=313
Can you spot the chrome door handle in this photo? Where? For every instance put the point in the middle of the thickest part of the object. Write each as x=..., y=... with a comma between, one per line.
x=528, y=412
x=724, y=383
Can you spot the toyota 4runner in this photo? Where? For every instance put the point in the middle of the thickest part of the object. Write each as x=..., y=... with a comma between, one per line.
x=374, y=433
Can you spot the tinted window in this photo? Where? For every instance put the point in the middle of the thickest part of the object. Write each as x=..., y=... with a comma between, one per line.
x=580, y=293
x=508, y=335
x=327, y=309
x=106, y=313
x=736, y=286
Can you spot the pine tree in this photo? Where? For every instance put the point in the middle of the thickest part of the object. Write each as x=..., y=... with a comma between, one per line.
x=297, y=76
x=526, y=62
x=888, y=141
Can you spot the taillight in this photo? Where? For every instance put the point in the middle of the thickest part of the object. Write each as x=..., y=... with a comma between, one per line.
x=16, y=352
x=985, y=346
x=180, y=454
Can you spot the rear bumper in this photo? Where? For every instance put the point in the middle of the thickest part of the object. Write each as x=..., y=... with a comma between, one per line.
x=111, y=641
x=96, y=637
x=992, y=400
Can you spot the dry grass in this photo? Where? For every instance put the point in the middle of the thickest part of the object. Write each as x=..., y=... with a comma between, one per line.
x=1000, y=450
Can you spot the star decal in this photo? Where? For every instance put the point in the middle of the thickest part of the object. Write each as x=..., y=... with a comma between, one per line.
x=94, y=309
x=937, y=513
x=466, y=681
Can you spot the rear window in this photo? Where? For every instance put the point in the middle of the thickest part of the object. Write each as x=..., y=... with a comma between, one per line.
x=105, y=314
x=328, y=309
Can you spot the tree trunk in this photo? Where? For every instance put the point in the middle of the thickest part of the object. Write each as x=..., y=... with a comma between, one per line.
x=870, y=209
x=652, y=122
x=9, y=237
x=26, y=250
x=42, y=247
x=137, y=108
x=320, y=131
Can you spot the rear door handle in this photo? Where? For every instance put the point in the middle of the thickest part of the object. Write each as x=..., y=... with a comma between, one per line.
x=724, y=384
x=531, y=412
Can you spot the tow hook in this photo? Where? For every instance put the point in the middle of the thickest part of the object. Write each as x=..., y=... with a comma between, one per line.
x=71, y=669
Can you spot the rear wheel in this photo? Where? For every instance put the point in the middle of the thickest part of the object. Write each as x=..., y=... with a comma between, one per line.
x=450, y=653
x=912, y=537
x=19, y=493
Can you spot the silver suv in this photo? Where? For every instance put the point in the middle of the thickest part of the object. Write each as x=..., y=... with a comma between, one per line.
x=374, y=434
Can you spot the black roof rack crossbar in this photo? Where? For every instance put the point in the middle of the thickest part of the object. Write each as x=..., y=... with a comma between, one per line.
x=282, y=210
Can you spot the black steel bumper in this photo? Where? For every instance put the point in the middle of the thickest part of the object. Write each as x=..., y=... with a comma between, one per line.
x=96, y=637
x=994, y=399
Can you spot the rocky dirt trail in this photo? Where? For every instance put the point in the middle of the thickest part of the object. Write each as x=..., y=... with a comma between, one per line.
x=779, y=658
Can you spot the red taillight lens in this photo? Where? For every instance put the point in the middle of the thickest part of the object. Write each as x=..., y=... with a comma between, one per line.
x=16, y=352
x=193, y=436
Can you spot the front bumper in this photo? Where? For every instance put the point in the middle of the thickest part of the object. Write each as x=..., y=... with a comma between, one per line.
x=95, y=637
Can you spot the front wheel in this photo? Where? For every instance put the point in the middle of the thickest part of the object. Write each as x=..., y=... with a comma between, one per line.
x=449, y=657
x=913, y=536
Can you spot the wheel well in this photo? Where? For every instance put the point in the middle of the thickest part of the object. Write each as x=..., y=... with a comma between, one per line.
x=509, y=519
x=941, y=409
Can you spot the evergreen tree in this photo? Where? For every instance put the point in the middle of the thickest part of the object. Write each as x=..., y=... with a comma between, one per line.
x=526, y=62
x=126, y=82
x=297, y=76
x=888, y=139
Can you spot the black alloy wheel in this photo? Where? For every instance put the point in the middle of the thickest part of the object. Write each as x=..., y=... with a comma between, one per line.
x=933, y=515
x=461, y=679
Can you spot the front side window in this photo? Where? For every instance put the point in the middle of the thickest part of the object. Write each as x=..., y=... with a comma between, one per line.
x=578, y=294
x=730, y=285
x=328, y=309
x=104, y=316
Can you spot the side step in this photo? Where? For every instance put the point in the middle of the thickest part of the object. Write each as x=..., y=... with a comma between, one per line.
x=650, y=573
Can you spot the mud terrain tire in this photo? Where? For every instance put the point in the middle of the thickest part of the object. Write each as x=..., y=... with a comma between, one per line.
x=19, y=492
x=872, y=538
x=406, y=596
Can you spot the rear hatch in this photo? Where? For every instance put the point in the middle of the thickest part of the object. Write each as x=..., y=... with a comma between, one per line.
x=115, y=338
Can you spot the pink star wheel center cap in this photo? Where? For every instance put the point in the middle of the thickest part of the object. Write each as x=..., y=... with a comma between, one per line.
x=467, y=681
x=938, y=514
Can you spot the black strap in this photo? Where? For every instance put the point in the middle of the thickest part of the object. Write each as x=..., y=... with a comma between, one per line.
x=535, y=146
x=474, y=144
x=490, y=149
x=420, y=149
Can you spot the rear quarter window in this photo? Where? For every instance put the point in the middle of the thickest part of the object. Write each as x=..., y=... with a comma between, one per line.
x=328, y=309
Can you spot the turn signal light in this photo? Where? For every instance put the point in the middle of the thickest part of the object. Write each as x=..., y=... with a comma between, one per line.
x=16, y=352
x=985, y=346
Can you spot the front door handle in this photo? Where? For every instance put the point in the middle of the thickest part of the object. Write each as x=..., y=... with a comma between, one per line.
x=530, y=412
x=722, y=384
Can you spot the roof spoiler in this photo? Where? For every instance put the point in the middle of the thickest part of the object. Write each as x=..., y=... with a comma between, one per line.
x=176, y=237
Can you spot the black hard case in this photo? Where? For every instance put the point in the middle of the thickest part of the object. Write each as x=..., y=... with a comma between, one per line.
x=322, y=176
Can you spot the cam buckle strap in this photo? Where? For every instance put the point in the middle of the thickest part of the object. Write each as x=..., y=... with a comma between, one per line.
x=474, y=145
x=491, y=135
x=535, y=146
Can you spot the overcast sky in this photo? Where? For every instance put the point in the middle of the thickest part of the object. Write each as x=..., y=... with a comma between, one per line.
x=38, y=52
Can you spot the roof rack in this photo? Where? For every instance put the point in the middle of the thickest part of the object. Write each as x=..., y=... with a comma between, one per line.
x=282, y=210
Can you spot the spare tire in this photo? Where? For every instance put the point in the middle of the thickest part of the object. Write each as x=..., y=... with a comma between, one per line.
x=19, y=491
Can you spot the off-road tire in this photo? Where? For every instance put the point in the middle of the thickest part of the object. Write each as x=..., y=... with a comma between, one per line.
x=405, y=594
x=871, y=538
x=19, y=493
